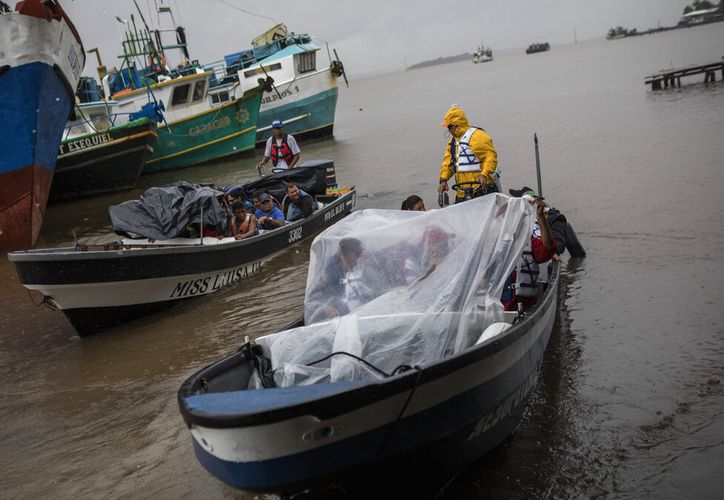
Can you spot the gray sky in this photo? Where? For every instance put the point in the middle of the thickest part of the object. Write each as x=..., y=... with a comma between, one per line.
x=372, y=36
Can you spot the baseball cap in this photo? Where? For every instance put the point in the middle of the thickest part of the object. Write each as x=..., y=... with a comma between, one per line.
x=264, y=197
x=523, y=191
x=277, y=124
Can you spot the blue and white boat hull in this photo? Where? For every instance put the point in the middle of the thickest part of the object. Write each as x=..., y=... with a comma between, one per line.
x=289, y=439
x=40, y=63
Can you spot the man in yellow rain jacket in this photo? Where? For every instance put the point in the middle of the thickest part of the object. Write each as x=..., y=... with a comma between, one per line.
x=469, y=156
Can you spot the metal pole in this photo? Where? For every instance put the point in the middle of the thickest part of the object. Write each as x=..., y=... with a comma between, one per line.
x=537, y=165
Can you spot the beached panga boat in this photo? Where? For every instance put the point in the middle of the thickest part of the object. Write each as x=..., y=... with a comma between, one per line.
x=101, y=286
x=41, y=59
x=97, y=157
x=425, y=377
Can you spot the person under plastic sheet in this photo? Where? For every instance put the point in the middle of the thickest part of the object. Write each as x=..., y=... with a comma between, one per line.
x=427, y=254
x=342, y=281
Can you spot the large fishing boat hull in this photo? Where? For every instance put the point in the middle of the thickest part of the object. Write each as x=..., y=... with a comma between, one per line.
x=40, y=63
x=307, y=106
x=99, y=289
x=227, y=130
x=438, y=419
x=103, y=162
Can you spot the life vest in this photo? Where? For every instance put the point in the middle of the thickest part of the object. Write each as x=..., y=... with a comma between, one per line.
x=465, y=160
x=243, y=227
x=282, y=151
x=527, y=272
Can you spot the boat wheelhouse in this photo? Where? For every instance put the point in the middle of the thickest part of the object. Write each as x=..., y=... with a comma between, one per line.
x=305, y=92
x=193, y=131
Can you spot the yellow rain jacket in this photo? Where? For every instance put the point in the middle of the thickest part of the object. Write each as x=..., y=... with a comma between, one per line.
x=481, y=144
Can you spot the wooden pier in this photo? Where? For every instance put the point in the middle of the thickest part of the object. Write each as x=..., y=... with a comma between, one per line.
x=671, y=78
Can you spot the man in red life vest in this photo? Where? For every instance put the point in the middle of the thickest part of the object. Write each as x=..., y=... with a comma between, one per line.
x=282, y=148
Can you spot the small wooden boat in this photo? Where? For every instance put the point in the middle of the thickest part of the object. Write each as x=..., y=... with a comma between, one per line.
x=103, y=160
x=401, y=407
x=101, y=286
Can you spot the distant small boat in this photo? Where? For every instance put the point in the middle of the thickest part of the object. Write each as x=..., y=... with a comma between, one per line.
x=41, y=58
x=537, y=47
x=483, y=54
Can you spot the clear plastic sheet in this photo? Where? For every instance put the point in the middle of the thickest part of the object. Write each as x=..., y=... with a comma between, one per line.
x=401, y=288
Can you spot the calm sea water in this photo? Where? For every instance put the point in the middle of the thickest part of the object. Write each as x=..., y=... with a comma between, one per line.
x=631, y=398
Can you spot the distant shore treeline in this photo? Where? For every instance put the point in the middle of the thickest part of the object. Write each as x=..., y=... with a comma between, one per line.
x=442, y=60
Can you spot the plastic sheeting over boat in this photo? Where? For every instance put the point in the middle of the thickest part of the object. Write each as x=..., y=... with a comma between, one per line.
x=409, y=288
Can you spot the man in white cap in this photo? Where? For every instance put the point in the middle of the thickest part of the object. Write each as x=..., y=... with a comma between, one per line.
x=282, y=148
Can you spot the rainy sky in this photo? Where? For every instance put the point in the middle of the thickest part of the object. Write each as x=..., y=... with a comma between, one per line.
x=371, y=36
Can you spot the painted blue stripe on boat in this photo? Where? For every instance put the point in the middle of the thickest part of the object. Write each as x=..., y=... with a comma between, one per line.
x=34, y=109
x=411, y=433
x=251, y=401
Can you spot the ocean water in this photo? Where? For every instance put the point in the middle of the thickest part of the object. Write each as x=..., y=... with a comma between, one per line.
x=630, y=399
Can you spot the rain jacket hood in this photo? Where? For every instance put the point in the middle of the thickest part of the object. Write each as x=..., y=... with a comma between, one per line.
x=456, y=116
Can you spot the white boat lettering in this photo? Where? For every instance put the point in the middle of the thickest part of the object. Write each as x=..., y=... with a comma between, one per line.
x=285, y=93
x=333, y=213
x=74, y=62
x=222, y=122
x=295, y=234
x=87, y=142
x=214, y=282
x=490, y=419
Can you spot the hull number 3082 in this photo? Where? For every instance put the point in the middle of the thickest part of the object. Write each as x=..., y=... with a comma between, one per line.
x=295, y=234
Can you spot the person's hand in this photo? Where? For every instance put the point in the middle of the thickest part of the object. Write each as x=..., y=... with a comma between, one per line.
x=557, y=257
x=442, y=187
x=262, y=220
x=485, y=180
x=330, y=312
x=540, y=209
x=239, y=237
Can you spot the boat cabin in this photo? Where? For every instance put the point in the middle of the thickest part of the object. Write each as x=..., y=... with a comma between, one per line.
x=182, y=97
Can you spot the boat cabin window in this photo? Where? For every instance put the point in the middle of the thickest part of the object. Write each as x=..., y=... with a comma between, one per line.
x=219, y=97
x=258, y=71
x=306, y=62
x=199, y=90
x=180, y=94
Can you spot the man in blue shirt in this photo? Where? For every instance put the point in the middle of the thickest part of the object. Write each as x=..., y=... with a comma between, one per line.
x=268, y=216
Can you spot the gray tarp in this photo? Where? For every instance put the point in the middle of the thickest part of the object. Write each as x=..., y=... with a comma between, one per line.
x=164, y=212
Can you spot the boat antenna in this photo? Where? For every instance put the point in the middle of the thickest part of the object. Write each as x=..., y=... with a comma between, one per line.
x=141, y=14
x=537, y=165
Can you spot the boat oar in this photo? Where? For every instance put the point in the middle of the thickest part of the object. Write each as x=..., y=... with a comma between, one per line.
x=537, y=165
